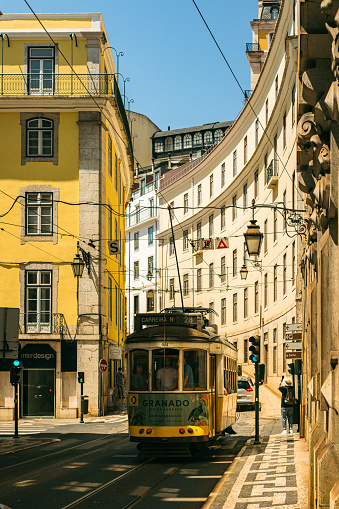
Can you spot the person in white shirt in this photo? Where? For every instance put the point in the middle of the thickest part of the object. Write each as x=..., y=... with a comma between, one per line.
x=167, y=377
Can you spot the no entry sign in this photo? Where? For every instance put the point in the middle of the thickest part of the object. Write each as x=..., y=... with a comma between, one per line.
x=103, y=365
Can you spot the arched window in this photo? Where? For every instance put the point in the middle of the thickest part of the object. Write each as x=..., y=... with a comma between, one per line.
x=274, y=13
x=218, y=134
x=208, y=138
x=168, y=144
x=40, y=137
x=177, y=143
x=158, y=146
x=197, y=139
x=187, y=141
x=150, y=300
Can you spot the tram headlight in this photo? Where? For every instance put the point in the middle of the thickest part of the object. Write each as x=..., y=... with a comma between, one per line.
x=148, y=431
x=181, y=431
x=190, y=430
x=141, y=430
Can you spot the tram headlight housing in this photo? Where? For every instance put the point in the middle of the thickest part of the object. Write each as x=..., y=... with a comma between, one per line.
x=190, y=430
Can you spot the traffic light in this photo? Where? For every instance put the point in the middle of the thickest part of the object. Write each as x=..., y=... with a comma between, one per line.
x=291, y=368
x=81, y=377
x=15, y=371
x=297, y=367
x=261, y=374
x=255, y=349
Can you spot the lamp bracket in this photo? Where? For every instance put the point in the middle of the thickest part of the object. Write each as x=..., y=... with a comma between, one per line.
x=86, y=256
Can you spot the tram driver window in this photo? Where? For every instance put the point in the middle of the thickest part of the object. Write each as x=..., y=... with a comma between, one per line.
x=165, y=369
x=194, y=370
x=139, y=370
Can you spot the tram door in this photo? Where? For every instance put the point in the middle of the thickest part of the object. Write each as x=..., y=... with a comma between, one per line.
x=214, y=399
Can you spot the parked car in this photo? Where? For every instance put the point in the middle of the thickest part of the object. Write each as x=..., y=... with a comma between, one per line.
x=246, y=393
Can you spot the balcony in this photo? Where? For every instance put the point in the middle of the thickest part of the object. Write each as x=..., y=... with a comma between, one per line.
x=140, y=216
x=65, y=85
x=252, y=47
x=272, y=174
x=42, y=323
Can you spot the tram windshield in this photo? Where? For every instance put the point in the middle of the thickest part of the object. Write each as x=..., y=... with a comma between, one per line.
x=139, y=370
x=194, y=371
x=165, y=369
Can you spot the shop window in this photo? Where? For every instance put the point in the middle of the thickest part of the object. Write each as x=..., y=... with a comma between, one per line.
x=194, y=370
x=139, y=370
x=165, y=369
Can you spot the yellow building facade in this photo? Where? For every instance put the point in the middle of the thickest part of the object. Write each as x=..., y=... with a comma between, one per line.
x=66, y=173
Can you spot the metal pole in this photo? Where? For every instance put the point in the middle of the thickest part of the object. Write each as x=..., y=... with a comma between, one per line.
x=176, y=257
x=16, y=417
x=81, y=398
x=256, y=386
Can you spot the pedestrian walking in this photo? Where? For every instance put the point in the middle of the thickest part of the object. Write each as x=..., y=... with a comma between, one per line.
x=287, y=402
x=119, y=380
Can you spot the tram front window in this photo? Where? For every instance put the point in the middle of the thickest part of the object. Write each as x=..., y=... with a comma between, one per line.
x=165, y=369
x=139, y=370
x=194, y=371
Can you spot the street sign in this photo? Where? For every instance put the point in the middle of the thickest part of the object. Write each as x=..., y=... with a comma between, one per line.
x=293, y=355
x=114, y=247
x=114, y=352
x=207, y=244
x=294, y=327
x=9, y=333
x=293, y=345
x=223, y=243
x=103, y=365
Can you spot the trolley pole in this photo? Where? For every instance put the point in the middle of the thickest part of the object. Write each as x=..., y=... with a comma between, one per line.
x=256, y=388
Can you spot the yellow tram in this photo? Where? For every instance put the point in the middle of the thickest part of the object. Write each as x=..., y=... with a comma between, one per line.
x=182, y=381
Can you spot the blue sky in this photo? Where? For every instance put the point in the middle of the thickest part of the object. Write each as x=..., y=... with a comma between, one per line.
x=177, y=75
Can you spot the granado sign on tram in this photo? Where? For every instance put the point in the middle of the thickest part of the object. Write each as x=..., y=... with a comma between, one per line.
x=168, y=409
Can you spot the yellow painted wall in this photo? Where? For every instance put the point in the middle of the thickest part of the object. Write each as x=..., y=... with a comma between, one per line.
x=33, y=24
x=263, y=38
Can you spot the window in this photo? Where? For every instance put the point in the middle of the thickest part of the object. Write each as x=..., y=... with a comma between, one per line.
x=234, y=207
x=223, y=269
x=110, y=157
x=187, y=141
x=165, y=369
x=284, y=274
x=275, y=224
x=150, y=267
x=185, y=203
x=110, y=224
x=199, y=282
x=284, y=204
x=137, y=214
x=40, y=137
x=185, y=289
x=199, y=194
x=136, y=241
x=234, y=163
x=265, y=167
x=38, y=301
x=150, y=301
x=158, y=146
x=185, y=240
x=274, y=367
x=39, y=213
x=293, y=263
x=208, y=138
x=171, y=289
x=171, y=249
x=150, y=235
x=177, y=143
x=169, y=144
x=211, y=314
x=223, y=311
x=211, y=185
x=210, y=226
x=275, y=282
x=194, y=372
x=136, y=304
x=218, y=134
x=156, y=179
x=139, y=370
x=245, y=351
x=110, y=299
x=265, y=290
x=136, y=269
x=235, y=262
x=151, y=208
x=274, y=13
x=197, y=139
x=41, y=69
x=265, y=236
x=293, y=105
x=244, y=194
x=223, y=217
x=211, y=275
x=256, y=297
x=256, y=184
x=235, y=307
x=245, y=302
x=198, y=231
x=266, y=111
x=142, y=187
x=284, y=130
x=276, y=87
x=257, y=132
x=116, y=172
x=223, y=174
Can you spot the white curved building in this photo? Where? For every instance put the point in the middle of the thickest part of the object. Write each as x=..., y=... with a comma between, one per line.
x=211, y=198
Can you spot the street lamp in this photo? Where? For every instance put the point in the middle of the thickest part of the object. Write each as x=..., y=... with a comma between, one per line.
x=253, y=236
x=79, y=262
x=243, y=271
x=120, y=54
x=124, y=80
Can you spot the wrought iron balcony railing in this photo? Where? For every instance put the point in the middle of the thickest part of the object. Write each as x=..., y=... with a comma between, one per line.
x=42, y=323
x=272, y=170
x=252, y=46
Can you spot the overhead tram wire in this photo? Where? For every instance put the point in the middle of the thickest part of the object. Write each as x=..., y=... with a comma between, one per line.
x=243, y=92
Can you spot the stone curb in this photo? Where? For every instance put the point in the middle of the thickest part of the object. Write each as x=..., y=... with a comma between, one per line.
x=15, y=447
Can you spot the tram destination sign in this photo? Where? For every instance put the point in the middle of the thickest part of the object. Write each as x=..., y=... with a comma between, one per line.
x=179, y=319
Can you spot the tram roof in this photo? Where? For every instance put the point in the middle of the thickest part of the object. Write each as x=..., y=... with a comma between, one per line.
x=175, y=333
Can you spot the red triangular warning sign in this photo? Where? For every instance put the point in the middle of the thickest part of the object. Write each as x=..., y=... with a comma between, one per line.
x=222, y=245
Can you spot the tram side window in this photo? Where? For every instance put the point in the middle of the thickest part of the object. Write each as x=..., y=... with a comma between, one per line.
x=229, y=375
x=194, y=370
x=139, y=370
x=165, y=369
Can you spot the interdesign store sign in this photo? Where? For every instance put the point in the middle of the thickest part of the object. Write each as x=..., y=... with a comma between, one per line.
x=38, y=356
